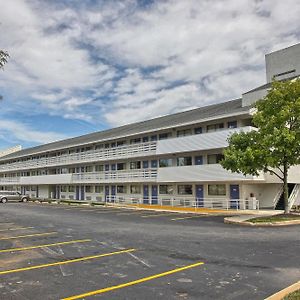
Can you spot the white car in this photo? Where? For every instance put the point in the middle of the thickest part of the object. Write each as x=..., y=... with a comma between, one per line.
x=12, y=196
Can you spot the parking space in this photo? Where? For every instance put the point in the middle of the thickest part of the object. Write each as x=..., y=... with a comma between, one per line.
x=72, y=252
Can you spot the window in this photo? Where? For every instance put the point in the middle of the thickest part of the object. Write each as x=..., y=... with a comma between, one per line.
x=88, y=169
x=135, y=141
x=184, y=161
x=217, y=189
x=153, y=138
x=214, y=158
x=99, y=147
x=232, y=124
x=72, y=170
x=120, y=143
x=164, y=136
x=166, y=189
x=71, y=188
x=88, y=189
x=198, y=130
x=215, y=127
x=106, y=146
x=165, y=162
x=153, y=163
x=121, y=189
x=99, y=168
x=184, y=132
x=33, y=188
x=121, y=166
x=186, y=189
x=135, y=165
x=99, y=189
x=145, y=139
x=63, y=188
x=135, y=189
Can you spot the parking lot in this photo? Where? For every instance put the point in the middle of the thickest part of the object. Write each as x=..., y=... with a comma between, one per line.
x=50, y=251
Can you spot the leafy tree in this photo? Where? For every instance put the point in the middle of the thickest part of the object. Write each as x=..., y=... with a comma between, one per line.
x=275, y=146
x=3, y=58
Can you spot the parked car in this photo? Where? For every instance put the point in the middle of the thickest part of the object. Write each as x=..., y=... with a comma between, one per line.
x=12, y=196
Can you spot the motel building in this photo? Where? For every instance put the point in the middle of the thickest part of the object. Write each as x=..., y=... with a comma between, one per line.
x=170, y=160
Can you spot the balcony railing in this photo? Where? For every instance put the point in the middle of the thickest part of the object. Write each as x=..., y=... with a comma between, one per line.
x=7, y=180
x=116, y=176
x=127, y=151
x=186, y=202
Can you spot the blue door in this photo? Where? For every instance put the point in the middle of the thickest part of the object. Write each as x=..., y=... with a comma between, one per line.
x=199, y=160
x=154, y=194
x=106, y=192
x=199, y=195
x=113, y=193
x=234, y=194
x=82, y=192
x=77, y=192
x=145, y=194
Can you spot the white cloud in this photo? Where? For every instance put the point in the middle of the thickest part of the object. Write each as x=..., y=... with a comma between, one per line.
x=16, y=131
x=122, y=62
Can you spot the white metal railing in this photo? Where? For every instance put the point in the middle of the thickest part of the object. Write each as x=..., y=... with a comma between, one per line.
x=113, y=176
x=4, y=180
x=294, y=195
x=187, y=202
x=125, y=151
x=277, y=196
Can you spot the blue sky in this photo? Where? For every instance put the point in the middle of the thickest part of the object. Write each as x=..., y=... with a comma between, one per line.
x=83, y=66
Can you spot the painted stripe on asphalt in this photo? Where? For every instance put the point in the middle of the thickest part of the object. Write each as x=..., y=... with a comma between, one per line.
x=64, y=262
x=160, y=215
x=120, y=286
x=17, y=228
x=42, y=246
x=27, y=235
x=183, y=218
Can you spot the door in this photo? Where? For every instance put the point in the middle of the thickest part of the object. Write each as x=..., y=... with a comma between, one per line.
x=146, y=194
x=154, y=194
x=77, y=192
x=82, y=192
x=199, y=195
x=234, y=195
x=106, y=192
x=113, y=193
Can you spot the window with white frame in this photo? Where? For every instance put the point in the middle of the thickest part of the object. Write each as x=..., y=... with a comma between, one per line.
x=217, y=190
x=71, y=188
x=184, y=161
x=88, y=189
x=215, y=127
x=185, y=189
x=165, y=162
x=184, y=132
x=99, y=168
x=214, y=158
x=63, y=188
x=99, y=189
x=121, y=189
x=166, y=189
x=135, y=189
x=135, y=165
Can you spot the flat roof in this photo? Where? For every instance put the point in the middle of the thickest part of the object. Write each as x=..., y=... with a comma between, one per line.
x=233, y=107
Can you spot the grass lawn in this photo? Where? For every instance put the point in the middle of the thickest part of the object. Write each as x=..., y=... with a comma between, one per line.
x=276, y=218
x=293, y=296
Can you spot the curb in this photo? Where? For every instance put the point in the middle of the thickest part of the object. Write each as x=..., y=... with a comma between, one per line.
x=246, y=223
x=281, y=294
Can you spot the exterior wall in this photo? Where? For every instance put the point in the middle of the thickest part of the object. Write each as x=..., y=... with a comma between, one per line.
x=251, y=97
x=283, y=61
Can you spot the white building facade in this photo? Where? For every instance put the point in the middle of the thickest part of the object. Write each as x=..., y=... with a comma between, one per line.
x=174, y=158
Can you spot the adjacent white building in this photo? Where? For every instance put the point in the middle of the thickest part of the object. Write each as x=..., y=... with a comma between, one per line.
x=174, y=158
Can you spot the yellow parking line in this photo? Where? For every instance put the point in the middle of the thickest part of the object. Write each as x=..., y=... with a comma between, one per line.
x=64, y=262
x=120, y=286
x=17, y=228
x=27, y=235
x=183, y=218
x=160, y=215
x=43, y=246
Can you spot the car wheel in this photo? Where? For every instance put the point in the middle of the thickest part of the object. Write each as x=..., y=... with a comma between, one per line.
x=4, y=200
x=24, y=199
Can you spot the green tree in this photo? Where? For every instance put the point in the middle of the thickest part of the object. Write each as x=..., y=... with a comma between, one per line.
x=275, y=146
x=3, y=58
